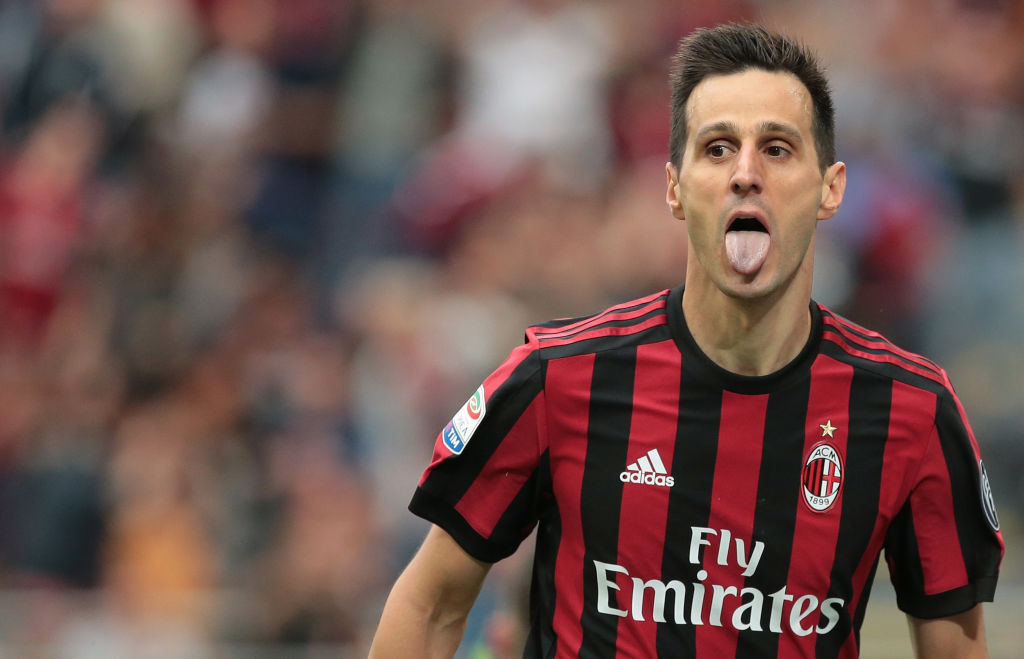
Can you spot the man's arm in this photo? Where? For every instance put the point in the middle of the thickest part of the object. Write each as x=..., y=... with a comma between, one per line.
x=425, y=614
x=961, y=636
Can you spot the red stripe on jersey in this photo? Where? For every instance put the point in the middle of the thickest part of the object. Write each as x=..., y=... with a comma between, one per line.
x=733, y=501
x=491, y=384
x=644, y=510
x=545, y=332
x=886, y=358
x=873, y=339
x=878, y=342
x=911, y=415
x=602, y=330
x=603, y=322
x=815, y=534
x=488, y=497
x=938, y=542
x=568, y=399
x=898, y=463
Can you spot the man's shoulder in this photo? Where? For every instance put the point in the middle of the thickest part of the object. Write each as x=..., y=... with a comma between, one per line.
x=623, y=324
x=871, y=351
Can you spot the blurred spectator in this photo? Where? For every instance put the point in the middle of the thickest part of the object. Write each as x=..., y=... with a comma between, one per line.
x=43, y=194
x=530, y=95
x=64, y=62
x=960, y=63
x=229, y=88
x=534, y=85
x=307, y=50
x=393, y=100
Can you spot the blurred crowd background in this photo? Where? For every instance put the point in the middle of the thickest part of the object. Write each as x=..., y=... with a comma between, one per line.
x=254, y=254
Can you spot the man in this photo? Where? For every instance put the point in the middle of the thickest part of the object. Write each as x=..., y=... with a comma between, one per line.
x=714, y=470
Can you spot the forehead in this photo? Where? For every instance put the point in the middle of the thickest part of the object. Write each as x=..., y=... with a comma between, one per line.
x=750, y=98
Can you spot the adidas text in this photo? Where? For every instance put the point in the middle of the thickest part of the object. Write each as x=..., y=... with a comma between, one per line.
x=648, y=470
x=647, y=478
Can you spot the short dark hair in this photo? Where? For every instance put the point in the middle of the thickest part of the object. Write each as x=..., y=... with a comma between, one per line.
x=735, y=47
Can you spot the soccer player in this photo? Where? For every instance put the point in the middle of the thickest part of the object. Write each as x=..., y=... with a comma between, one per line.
x=714, y=470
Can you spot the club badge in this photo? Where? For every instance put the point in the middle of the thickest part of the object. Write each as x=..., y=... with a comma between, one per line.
x=822, y=478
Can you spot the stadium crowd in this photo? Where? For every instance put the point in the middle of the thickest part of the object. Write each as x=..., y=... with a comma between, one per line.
x=254, y=253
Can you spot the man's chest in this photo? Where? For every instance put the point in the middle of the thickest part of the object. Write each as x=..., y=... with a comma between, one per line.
x=792, y=487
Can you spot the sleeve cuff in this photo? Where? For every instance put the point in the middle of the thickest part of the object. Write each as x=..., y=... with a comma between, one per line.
x=950, y=602
x=435, y=510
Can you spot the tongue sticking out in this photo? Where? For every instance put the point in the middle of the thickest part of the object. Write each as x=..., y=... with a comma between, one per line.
x=747, y=250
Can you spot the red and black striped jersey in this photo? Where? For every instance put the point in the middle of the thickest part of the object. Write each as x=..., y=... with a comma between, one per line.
x=683, y=510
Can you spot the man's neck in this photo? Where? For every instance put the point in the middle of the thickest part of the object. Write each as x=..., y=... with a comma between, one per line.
x=749, y=337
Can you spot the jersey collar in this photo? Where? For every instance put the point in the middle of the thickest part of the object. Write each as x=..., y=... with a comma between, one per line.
x=703, y=367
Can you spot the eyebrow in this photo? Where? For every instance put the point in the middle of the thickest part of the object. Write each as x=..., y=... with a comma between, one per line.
x=784, y=129
x=765, y=127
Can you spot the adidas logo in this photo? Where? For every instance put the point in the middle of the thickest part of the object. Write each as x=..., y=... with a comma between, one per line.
x=648, y=470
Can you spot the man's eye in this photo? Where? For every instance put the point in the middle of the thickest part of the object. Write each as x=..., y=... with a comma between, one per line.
x=716, y=150
x=776, y=151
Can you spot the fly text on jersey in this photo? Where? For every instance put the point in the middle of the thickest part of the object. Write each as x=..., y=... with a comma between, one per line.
x=701, y=603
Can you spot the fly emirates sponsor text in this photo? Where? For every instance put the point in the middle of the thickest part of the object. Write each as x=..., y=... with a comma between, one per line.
x=700, y=603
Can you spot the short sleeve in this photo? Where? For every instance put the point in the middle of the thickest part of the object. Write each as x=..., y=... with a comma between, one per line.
x=483, y=483
x=944, y=547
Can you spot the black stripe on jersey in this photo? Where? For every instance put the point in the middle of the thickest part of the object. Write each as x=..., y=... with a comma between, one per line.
x=908, y=573
x=862, y=606
x=541, y=642
x=693, y=468
x=523, y=506
x=451, y=478
x=962, y=465
x=870, y=403
x=880, y=350
x=565, y=323
x=611, y=409
x=885, y=369
x=864, y=334
x=963, y=468
x=779, y=480
x=905, y=572
x=605, y=343
x=975, y=535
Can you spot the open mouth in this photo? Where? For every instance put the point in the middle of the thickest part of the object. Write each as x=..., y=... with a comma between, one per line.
x=747, y=223
x=746, y=244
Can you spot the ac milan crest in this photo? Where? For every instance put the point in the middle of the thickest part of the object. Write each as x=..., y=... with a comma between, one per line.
x=822, y=478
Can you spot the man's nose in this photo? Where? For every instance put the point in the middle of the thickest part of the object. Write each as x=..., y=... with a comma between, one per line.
x=747, y=176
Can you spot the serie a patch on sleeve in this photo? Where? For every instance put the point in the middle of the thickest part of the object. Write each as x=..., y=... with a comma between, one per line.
x=988, y=504
x=465, y=422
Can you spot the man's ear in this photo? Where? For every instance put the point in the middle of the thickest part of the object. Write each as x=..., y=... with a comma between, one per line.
x=673, y=194
x=833, y=186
